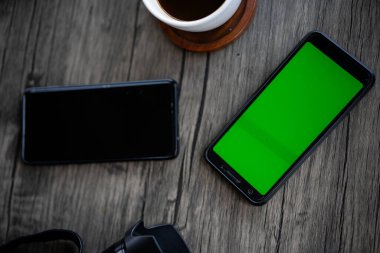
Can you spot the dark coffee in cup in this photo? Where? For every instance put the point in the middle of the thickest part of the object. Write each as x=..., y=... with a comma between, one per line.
x=190, y=10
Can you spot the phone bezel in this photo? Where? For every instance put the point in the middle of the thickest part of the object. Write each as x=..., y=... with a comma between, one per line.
x=342, y=58
x=50, y=89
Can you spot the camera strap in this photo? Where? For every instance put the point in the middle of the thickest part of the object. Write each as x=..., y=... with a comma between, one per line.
x=138, y=239
x=45, y=236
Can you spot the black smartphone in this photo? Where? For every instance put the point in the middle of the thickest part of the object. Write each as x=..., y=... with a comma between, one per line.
x=288, y=116
x=104, y=122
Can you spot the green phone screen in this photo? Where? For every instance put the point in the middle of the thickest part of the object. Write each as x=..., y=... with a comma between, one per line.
x=288, y=115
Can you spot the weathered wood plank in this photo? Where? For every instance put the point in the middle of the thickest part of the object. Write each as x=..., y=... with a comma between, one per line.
x=338, y=186
x=331, y=204
x=309, y=213
x=8, y=137
x=214, y=217
x=14, y=45
x=77, y=43
x=90, y=62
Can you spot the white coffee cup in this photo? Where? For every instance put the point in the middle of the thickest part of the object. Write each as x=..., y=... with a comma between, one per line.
x=212, y=21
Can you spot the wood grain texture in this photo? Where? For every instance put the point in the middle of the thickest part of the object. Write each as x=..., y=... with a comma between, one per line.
x=332, y=204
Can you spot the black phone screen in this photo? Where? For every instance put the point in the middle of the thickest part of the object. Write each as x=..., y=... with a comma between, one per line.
x=100, y=122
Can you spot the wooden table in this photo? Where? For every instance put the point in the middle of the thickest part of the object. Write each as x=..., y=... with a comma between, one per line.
x=331, y=204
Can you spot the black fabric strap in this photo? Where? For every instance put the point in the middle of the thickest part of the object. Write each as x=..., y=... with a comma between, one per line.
x=46, y=236
x=138, y=239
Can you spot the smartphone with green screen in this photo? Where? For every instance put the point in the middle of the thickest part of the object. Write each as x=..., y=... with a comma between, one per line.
x=288, y=116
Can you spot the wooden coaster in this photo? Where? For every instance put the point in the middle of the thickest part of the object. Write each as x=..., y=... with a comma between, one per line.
x=217, y=38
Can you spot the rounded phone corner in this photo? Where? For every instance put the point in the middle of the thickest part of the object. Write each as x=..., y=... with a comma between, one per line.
x=172, y=81
x=206, y=154
x=175, y=153
x=314, y=32
x=257, y=202
x=27, y=91
x=169, y=81
x=260, y=202
x=25, y=160
x=371, y=78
